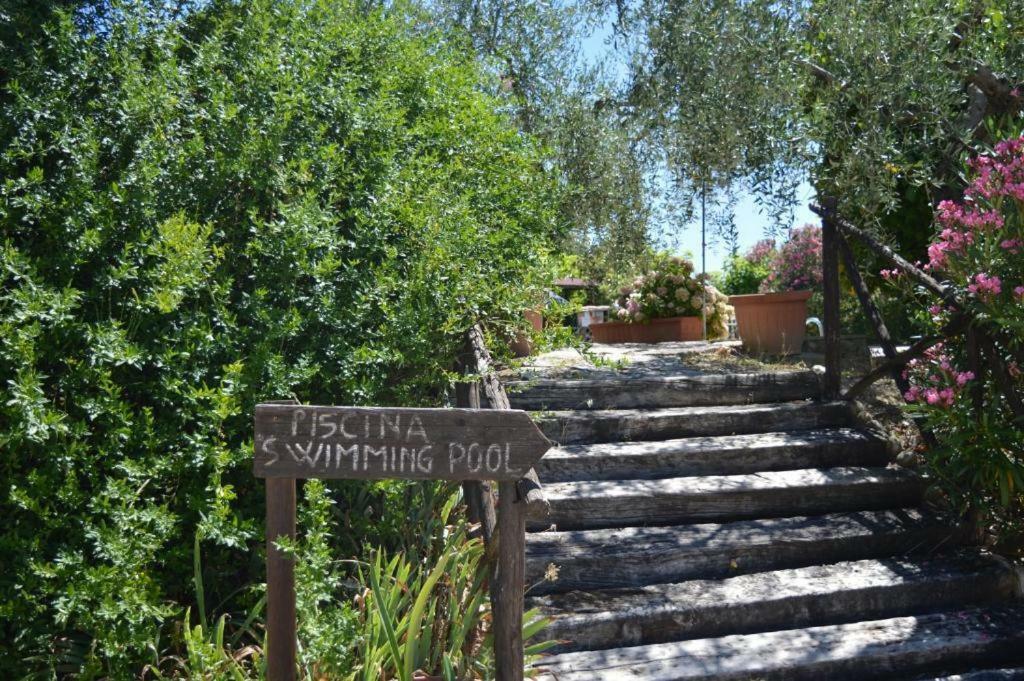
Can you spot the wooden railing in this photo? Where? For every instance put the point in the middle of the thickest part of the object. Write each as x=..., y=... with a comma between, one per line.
x=502, y=523
x=983, y=337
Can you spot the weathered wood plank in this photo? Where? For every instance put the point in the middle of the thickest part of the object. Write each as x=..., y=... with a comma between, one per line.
x=830, y=300
x=623, y=503
x=376, y=442
x=635, y=556
x=811, y=596
x=530, y=489
x=874, y=649
x=581, y=427
x=983, y=675
x=664, y=391
x=714, y=455
x=509, y=585
x=871, y=311
x=480, y=505
x=282, y=644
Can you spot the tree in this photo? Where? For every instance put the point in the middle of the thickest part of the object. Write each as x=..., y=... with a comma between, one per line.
x=611, y=204
x=876, y=100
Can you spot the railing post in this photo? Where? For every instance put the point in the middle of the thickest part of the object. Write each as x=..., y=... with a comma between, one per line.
x=830, y=290
x=516, y=501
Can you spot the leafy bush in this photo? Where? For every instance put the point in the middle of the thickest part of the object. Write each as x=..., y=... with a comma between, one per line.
x=671, y=290
x=798, y=263
x=978, y=419
x=745, y=274
x=263, y=199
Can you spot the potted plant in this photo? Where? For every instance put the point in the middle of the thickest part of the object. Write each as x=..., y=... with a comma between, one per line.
x=665, y=305
x=772, y=321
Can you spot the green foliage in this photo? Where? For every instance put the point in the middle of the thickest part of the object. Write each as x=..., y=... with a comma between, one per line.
x=424, y=615
x=743, y=276
x=560, y=95
x=260, y=200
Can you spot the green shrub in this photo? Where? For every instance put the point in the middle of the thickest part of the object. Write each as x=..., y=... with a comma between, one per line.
x=745, y=274
x=742, y=276
x=265, y=199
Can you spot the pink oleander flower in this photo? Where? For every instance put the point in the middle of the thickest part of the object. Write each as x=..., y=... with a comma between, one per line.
x=1018, y=292
x=935, y=310
x=963, y=376
x=890, y=275
x=1000, y=174
x=986, y=287
x=1012, y=245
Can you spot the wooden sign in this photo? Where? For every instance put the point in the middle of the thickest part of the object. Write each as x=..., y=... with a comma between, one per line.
x=375, y=443
x=303, y=441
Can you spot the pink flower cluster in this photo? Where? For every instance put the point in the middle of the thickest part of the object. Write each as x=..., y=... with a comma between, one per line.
x=986, y=287
x=937, y=381
x=1000, y=174
x=1012, y=245
x=761, y=253
x=890, y=275
x=798, y=263
x=980, y=240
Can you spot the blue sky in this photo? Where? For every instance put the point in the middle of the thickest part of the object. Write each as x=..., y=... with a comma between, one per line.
x=751, y=221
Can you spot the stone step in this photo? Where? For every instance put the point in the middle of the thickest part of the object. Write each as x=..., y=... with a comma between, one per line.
x=716, y=455
x=624, y=425
x=861, y=651
x=592, y=504
x=763, y=601
x=663, y=391
x=637, y=556
x=983, y=675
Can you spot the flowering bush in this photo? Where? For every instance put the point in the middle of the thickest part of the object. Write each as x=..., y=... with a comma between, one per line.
x=672, y=291
x=762, y=253
x=797, y=266
x=977, y=250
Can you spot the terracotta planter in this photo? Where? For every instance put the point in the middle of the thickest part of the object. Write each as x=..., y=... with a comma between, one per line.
x=654, y=331
x=771, y=323
x=521, y=345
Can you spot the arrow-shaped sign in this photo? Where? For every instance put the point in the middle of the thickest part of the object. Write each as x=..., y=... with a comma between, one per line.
x=294, y=441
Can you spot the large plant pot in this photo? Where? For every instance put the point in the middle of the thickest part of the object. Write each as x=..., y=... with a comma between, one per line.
x=771, y=323
x=521, y=345
x=654, y=331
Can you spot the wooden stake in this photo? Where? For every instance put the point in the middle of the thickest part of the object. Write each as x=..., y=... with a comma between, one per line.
x=281, y=634
x=872, y=312
x=830, y=287
x=509, y=585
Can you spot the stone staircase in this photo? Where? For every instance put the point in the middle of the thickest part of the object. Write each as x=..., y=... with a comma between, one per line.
x=736, y=527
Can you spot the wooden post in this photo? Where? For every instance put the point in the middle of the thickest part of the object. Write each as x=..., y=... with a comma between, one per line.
x=509, y=585
x=872, y=312
x=478, y=493
x=830, y=286
x=281, y=634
